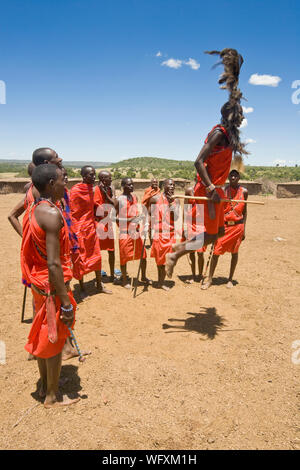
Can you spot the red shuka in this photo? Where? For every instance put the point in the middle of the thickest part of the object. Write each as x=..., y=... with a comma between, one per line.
x=148, y=194
x=130, y=244
x=218, y=167
x=82, y=212
x=232, y=238
x=164, y=230
x=28, y=201
x=104, y=230
x=35, y=255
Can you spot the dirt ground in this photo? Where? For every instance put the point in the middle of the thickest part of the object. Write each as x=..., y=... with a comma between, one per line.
x=185, y=369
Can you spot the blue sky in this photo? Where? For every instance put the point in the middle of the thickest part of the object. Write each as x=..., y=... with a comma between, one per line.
x=86, y=77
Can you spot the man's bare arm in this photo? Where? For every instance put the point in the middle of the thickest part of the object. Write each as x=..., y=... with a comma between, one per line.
x=14, y=217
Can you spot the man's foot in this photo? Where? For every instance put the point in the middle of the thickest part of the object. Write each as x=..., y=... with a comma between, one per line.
x=83, y=294
x=206, y=284
x=229, y=285
x=102, y=289
x=60, y=400
x=42, y=390
x=163, y=287
x=146, y=281
x=72, y=352
x=170, y=263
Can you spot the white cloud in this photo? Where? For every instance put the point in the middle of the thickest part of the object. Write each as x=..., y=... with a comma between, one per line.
x=247, y=110
x=159, y=54
x=250, y=141
x=279, y=162
x=266, y=80
x=244, y=123
x=193, y=64
x=172, y=63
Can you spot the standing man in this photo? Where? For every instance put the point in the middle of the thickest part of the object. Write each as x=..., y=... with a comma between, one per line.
x=235, y=214
x=192, y=228
x=150, y=192
x=130, y=242
x=82, y=212
x=164, y=211
x=104, y=195
x=47, y=253
x=214, y=160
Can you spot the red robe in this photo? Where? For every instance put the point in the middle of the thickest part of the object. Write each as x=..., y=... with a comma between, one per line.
x=130, y=244
x=148, y=194
x=218, y=167
x=164, y=230
x=46, y=321
x=104, y=230
x=234, y=223
x=28, y=202
x=82, y=212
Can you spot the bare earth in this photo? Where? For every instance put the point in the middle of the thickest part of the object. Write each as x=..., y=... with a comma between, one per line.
x=185, y=369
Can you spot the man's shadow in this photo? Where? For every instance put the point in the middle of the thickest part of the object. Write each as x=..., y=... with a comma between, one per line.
x=207, y=322
x=219, y=281
x=90, y=288
x=69, y=384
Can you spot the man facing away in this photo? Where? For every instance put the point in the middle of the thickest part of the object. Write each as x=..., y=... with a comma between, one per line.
x=47, y=254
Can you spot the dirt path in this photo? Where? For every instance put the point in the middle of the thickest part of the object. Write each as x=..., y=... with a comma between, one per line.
x=188, y=369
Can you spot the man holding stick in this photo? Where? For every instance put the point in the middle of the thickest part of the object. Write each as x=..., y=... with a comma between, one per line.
x=47, y=253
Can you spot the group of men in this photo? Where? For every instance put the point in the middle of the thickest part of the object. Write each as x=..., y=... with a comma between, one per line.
x=63, y=233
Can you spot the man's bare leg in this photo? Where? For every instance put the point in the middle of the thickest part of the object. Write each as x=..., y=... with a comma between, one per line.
x=43, y=375
x=213, y=265
x=100, y=286
x=200, y=264
x=193, y=267
x=161, y=278
x=53, y=398
x=234, y=260
x=70, y=351
x=30, y=356
x=83, y=292
x=180, y=249
x=125, y=281
x=111, y=262
x=143, y=269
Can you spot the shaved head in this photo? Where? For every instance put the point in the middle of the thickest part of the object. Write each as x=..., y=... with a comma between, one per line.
x=85, y=170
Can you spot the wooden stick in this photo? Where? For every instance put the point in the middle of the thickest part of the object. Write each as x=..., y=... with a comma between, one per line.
x=203, y=198
x=81, y=358
x=24, y=303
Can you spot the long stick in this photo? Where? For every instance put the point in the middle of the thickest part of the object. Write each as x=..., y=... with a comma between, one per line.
x=208, y=262
x=134, y=244
x=203, y=198
x=139, y=270
x=81, y=358
x=24, y=303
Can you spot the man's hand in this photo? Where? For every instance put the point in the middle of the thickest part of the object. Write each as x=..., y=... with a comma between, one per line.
x=214, y=196
x=67, y=315
x=243, y=237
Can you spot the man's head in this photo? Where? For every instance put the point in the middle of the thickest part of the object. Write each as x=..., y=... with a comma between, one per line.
x=189, y=191
x=127, y=185
x=65, y=174
x=88, y=174
x=46, y=155
x=105, y=178
x=169, y=186
x=154, y=183
x=234, y=178
x=30, y=168
x=49, y=181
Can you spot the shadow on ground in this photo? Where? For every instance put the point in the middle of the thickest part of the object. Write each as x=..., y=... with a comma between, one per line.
x=207, y=323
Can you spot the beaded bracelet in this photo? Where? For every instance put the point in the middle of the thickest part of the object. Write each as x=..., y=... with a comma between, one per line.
x=67, y=309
